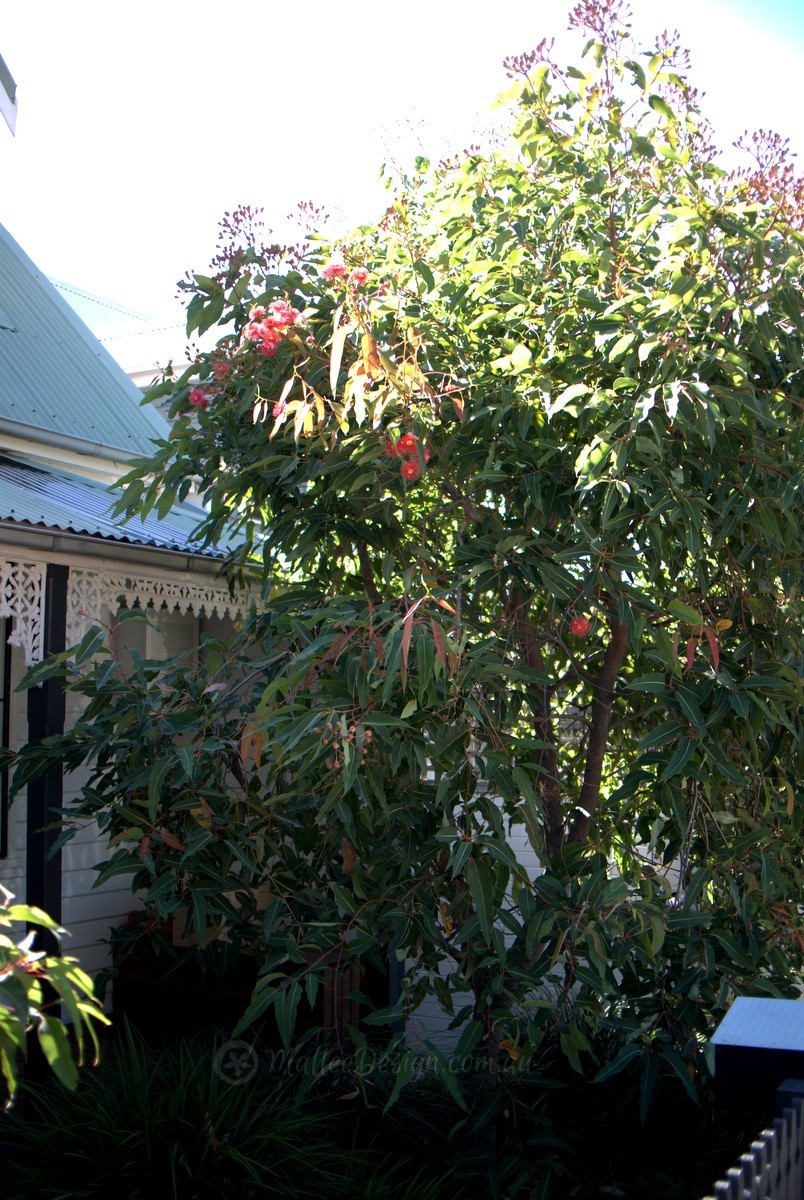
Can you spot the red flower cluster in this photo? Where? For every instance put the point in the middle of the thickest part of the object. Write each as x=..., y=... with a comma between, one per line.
x=580, y=626
x=267, y=327
x=199, y=398
x=410, y=470
x=407, y=448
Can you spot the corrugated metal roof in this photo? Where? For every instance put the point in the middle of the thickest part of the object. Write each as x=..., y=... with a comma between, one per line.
x=54, y=374
x=56, y=500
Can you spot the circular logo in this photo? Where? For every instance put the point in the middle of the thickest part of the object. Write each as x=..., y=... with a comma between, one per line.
x=236, y=1062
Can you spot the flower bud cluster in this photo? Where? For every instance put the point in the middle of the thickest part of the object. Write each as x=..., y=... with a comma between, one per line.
x=356, y=735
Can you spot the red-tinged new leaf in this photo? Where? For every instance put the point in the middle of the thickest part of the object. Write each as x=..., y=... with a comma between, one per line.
x=440, y=644
x=447, y=607
x=348, y=857
x=253, y=741
x=407, y=631
x=371, y=359
x=337, y=645
x=691, y=644
x=144, y=846
x=713, y=646
x=171, y=840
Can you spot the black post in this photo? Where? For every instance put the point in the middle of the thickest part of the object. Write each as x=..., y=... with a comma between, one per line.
x=5, y=738
x=787, y=1093
x=46, y=709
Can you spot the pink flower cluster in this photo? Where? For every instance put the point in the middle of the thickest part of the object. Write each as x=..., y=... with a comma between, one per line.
x=268, y=326
x=337, y=271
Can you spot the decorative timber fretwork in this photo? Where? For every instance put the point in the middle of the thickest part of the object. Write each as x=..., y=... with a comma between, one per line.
x=22, y=597
x=89, y=593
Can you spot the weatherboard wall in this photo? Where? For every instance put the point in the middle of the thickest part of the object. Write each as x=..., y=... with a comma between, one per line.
x=90, y=912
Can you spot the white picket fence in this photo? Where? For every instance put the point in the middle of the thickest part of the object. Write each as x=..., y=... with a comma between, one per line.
x=773, y=1168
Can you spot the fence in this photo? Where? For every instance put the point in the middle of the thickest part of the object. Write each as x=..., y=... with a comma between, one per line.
x=773, y=1168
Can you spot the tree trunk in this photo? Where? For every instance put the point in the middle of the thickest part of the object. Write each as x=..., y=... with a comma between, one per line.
x=599, y=732
x=516, y=609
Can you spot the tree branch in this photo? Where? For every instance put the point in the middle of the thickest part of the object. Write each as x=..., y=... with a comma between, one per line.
x=367, y=574
x=599, y=732
x=471, y=510
x=516, y=611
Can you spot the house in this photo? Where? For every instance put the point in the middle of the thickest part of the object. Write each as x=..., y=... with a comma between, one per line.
x=70, y=422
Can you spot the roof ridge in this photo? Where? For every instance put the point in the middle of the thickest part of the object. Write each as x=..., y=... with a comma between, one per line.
x=61, y=286
x=129, y=333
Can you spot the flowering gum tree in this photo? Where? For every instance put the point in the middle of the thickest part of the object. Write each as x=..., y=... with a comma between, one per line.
x=519, y=466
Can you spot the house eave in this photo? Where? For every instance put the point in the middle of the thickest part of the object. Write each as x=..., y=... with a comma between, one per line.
x=62, y=546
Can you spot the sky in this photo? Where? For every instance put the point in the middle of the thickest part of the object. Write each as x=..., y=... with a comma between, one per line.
x=139, y=125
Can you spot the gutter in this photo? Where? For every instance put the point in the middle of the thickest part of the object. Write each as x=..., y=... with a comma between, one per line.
x=64, y=441
x=95, y=547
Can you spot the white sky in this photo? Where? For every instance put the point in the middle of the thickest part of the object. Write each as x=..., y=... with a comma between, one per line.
x=139, y=124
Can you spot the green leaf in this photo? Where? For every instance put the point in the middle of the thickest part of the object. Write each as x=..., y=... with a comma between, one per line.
x=285, y=1006
x=187, y=759
x=446, y=1076
x=684, y=612
x=421, y=268
x=682, y=756
x=212, y=312
x=650, y=1073
x=639, y=74
x=626, y=1055
x=573, y=392
x=155, y=780
x=666, y=732
x=406, y=1062
x=56, y=1049
x=689, y=705
x=93, y=641
x=654, y=683
x=478, y=877
x=661, y=106
x=263, y=996
x=521, y=358
x=471, y=1035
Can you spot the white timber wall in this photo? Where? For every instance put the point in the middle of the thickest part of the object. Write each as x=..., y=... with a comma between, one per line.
x=430, y=1022
x=90, y=912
